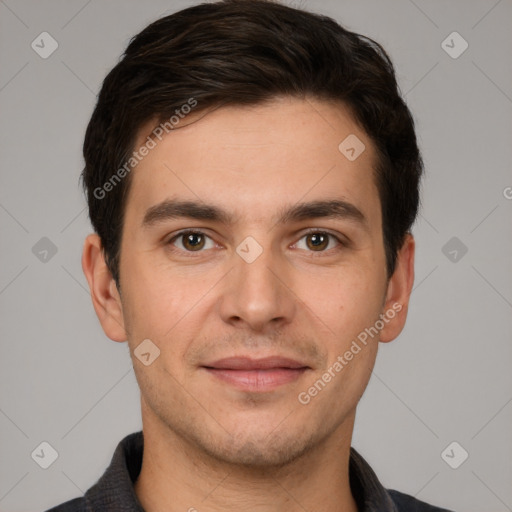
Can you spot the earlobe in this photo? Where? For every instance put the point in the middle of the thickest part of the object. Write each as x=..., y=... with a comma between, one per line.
x=104, y=293
x=398, y=292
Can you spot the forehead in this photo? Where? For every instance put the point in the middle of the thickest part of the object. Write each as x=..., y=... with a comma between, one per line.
x=257, y=158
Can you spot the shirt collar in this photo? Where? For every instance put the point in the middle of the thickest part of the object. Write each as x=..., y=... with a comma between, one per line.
x=114, y=490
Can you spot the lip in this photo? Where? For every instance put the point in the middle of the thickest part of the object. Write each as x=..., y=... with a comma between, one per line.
x=256, y=375
x=248, y=363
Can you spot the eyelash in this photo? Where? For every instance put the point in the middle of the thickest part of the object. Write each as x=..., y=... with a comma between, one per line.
x=193, y=254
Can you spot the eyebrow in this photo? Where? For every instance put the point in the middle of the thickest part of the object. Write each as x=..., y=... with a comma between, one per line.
x=327, y=209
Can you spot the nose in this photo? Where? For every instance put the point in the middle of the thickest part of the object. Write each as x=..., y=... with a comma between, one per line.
x=258, y=295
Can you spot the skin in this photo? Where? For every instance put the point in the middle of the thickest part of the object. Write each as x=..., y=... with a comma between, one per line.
x=207, y=444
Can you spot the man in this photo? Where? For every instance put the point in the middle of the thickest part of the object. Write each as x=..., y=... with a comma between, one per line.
x=252, y=176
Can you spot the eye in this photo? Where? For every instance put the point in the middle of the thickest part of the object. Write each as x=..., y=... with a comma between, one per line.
x=319, y=241
x=191, y=241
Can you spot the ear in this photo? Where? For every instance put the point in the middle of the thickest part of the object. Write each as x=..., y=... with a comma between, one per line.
x=399, y=290
x=105, y=296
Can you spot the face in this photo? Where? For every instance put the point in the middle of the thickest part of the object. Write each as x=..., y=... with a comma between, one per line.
x=252, y=257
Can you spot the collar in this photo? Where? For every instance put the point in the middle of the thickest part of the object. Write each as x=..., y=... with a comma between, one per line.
x=114, y=490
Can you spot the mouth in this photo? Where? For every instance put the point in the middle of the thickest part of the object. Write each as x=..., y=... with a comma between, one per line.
x=256, y=375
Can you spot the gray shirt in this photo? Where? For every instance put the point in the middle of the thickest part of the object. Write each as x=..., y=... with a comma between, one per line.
x=114, y=492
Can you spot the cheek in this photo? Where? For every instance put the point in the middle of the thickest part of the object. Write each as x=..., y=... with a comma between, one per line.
x=167, y=307
x=153, y=304
x=346, y=303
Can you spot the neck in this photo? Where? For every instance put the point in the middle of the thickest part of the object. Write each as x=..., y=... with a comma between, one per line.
x=176, y=477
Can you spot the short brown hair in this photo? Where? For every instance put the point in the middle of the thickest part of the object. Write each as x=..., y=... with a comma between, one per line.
x=239, y=52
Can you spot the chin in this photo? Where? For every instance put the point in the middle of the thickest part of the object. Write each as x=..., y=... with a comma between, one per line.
x=256, y=452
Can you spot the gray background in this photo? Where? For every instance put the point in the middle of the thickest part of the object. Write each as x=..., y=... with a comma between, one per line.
x=446, y=378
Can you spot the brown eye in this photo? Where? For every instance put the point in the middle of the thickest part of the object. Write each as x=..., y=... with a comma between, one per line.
x=320, y=241
x=190, y=241
x=193, y=241
x=317, y=241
